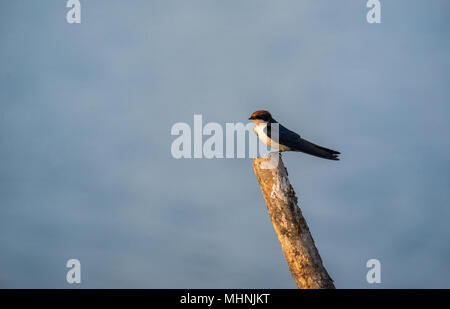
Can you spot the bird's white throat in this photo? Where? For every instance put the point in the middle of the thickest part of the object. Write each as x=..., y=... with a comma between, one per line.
x=260, y=129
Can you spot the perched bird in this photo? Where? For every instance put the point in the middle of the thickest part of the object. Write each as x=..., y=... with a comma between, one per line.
x=287, y=140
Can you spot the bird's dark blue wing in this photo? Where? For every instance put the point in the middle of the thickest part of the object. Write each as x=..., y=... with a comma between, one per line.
x=295, y=143
x=285, y=136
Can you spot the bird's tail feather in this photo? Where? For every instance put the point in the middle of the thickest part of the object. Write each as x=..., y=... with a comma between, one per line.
x=307, y=147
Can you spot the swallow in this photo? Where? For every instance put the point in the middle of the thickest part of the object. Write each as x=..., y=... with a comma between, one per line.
x=287, y=140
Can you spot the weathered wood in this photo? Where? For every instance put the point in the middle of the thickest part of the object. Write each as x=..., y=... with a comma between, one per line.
x=290, y=226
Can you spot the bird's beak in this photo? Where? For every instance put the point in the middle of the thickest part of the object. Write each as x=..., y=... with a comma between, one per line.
x=251, y=118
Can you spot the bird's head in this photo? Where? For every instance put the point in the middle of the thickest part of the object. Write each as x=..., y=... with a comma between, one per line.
x=261, y=116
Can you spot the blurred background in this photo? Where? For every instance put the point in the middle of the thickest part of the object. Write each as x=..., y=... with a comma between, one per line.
x=86, y=170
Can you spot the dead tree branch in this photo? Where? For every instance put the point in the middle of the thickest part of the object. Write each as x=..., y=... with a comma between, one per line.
x=290, y=226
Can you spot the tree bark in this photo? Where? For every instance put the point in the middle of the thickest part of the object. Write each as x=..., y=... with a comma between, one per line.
x=290, y=226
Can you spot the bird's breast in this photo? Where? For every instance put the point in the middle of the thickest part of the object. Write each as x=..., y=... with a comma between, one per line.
x=260, y=131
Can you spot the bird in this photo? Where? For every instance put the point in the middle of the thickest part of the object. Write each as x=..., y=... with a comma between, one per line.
x=287, y=140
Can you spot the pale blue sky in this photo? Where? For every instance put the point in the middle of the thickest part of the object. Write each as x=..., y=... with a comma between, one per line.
x=86, y=112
